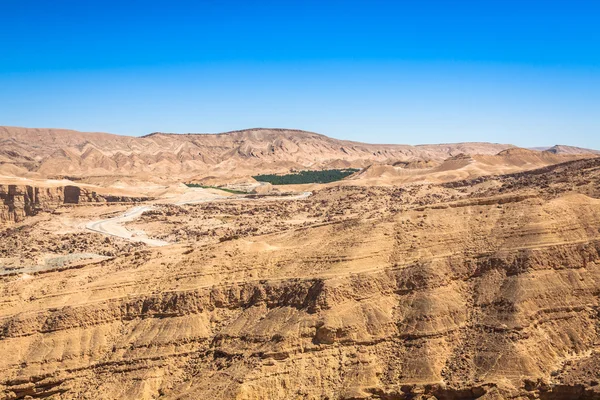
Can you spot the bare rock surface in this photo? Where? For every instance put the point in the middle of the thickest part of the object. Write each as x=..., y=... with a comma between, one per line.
x=484, y=288
x=450, y=271
x=19, y=201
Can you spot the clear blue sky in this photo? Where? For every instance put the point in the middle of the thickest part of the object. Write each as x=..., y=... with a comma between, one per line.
x=421, y=71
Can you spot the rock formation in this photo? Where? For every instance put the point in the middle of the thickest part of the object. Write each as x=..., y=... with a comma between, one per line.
x=19, y=201
x=478, y=289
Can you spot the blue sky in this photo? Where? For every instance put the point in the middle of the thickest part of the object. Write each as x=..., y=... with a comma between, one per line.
x=524, y=72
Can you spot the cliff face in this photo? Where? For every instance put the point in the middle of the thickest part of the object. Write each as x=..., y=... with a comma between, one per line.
x=486, y=289
x=20, y=201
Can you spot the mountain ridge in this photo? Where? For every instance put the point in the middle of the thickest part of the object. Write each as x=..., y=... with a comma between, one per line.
x=251, y=150
x=48, y=152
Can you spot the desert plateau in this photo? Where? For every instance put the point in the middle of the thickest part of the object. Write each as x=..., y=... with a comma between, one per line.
x=178, y=266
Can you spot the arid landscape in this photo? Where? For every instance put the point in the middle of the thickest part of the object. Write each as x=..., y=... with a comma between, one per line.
x=158, y=267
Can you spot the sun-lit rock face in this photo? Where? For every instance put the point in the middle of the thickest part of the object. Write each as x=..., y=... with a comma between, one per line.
x=473, y=289
x=20, y=201
x=56, y=152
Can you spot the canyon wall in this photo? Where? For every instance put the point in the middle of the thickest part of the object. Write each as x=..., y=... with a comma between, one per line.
x=20, y=201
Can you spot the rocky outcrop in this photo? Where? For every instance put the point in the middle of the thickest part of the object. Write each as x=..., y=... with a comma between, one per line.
x=20, y=201
x=421, y=292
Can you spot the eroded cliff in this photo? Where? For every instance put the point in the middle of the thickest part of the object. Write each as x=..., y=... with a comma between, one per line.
x=485, y=289
x=20, y=201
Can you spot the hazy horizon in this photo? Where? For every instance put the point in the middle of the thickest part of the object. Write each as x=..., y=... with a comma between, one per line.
x=524, y=73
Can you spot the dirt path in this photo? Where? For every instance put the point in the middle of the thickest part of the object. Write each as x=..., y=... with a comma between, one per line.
x=114, y=226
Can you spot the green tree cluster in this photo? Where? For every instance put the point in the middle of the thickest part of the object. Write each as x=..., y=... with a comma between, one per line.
x=324, y=176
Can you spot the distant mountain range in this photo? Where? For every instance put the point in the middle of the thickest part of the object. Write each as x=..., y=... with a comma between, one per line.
x=562, y=149
x=60, y=152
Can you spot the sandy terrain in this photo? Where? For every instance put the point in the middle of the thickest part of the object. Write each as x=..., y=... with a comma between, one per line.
x=114, y=226
x=464, y=276
x=107, y=159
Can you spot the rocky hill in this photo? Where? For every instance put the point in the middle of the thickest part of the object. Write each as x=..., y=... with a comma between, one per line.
x=20, y=201
x=562, y=149
x=436, y=272
x=478, y=289
x=56, y=152
x=461, y=166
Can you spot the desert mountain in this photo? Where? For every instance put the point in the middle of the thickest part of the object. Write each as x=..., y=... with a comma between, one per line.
x=56, y=152
x=463, y=166
x=477, y=289
x=436, y=272
x=563, y=149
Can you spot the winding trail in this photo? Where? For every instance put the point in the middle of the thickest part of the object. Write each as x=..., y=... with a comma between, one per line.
x=114, y=226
